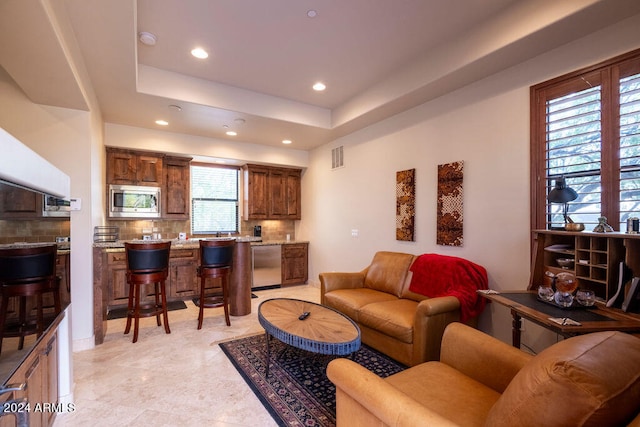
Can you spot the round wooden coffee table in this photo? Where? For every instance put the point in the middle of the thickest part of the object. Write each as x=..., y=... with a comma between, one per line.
x=308, y=326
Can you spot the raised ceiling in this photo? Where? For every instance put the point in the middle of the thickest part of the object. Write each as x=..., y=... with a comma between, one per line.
x=377, y=57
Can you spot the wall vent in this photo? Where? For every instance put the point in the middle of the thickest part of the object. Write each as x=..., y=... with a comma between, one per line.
x=337, y=158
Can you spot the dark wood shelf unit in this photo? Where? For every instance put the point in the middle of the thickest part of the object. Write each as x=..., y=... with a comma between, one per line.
x=597, y=257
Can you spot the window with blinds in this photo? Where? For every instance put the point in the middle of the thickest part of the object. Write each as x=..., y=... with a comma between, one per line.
x=214, y=199
x=629, y=147
x=573, y=151
x=585, y=127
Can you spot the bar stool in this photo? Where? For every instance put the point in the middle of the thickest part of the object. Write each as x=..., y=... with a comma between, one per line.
x=27, y=272
x=147, y=263
x=216, y=259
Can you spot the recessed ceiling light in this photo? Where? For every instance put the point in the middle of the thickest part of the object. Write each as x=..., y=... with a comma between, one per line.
x=319, y=86
x=200, y=53
x=286, y=141
x=147, y=38
x=231, y=133
x=312, y=13
x=175, y=107
x=240, y=121
x=162, y=122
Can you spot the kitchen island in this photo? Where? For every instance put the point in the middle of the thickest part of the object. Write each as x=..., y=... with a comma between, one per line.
x=111, y=289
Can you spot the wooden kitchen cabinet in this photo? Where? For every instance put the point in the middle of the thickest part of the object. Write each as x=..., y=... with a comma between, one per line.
x=121, y=167
x=295, y=263
x=256, y=192
x=118, y=290
x=126, y=167
x=176, y=203
x=271, y=193
x=183, y=280
x=171, y=174
x=18, y=203
x=39, y=371
x=284, y=192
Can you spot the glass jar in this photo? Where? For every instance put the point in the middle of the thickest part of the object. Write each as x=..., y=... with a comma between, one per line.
x=566, y=285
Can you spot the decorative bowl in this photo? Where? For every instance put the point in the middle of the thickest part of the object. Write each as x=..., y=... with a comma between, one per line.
x=574, y=226
x=565, y=262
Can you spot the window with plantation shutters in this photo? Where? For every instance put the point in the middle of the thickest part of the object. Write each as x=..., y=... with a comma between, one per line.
x=630, y=146
x=214, y=199
x=585, y=127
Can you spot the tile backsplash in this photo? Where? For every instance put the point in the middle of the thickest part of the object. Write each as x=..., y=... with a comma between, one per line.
x=169, y=229
x=36, y=231
x=31, y=231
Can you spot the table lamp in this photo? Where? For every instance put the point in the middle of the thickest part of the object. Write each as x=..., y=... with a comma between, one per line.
x=562, y=194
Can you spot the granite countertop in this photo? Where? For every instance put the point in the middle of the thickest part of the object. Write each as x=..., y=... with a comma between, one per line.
x=194, y=243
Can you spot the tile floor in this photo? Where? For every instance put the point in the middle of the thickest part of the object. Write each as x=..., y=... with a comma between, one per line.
x=182, y=378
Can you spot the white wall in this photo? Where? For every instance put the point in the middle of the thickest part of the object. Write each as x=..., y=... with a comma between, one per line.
x=70, y=140
x=486, y=125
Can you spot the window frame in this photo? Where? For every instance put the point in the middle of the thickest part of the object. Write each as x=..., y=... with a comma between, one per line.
x=608, y=74
x=238, y=198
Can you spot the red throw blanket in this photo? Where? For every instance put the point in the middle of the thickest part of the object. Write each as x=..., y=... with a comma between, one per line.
x=440, y=275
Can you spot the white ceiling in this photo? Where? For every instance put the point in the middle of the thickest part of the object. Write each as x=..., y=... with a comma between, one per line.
x=377, y=57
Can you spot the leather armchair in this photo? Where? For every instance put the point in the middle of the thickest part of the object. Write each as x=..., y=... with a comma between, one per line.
x=588, y=380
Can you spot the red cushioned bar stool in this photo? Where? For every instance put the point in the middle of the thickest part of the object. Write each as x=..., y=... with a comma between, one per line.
x=216, y=259
x=147, y=264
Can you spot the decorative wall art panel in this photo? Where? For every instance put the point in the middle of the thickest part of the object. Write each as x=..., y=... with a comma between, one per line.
x=449, y=227
x=405, y=205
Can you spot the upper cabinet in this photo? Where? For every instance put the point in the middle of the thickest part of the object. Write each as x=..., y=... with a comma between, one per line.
x=176, y=192
x=129, y=167
x=171, y=174
x=271, y=193
x=18, y=203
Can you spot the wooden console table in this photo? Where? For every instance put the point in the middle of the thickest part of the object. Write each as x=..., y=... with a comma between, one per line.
x=525, y=304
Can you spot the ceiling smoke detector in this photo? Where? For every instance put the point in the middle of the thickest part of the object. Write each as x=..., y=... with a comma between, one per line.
x=147, y=38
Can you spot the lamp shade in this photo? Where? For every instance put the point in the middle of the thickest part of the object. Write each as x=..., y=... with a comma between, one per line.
x=561, y=193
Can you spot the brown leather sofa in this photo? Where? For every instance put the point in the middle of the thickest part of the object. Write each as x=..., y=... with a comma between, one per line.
x=588, y=380
x=395, y=321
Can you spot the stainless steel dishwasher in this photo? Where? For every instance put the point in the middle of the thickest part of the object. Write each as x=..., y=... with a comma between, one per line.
x=266, y=262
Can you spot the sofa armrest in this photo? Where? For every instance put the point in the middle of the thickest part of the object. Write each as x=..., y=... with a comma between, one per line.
x=333, y=280
x=432, y=316
x=481, y=356
x=364, y=399
x=438, y=305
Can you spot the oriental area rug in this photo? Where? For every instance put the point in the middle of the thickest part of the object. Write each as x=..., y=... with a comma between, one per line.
x=297, y=391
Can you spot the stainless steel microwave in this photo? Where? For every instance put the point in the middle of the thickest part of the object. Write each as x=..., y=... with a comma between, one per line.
x=134, y=201
x=55, y=207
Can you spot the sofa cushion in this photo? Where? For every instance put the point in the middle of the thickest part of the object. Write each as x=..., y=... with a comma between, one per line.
x=394, y=318
x=350, y=301
x=388, y=272
x=447, y=392
x=580, y=381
